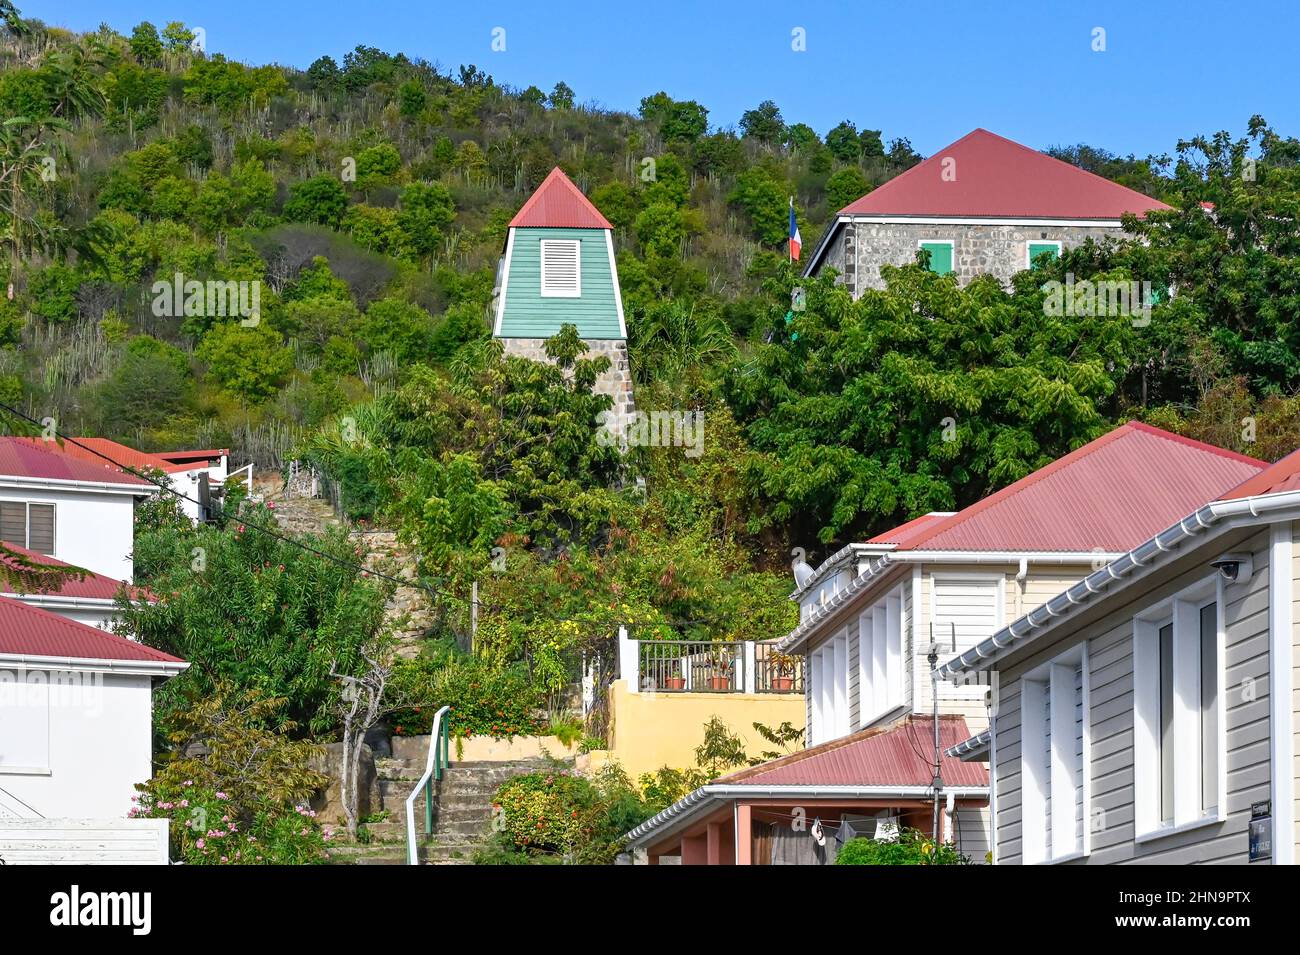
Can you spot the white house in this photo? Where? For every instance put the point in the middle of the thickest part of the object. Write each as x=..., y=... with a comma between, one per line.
x=89, y=598
x=1147, y=714
x=75, y=511
x=190, y=473
x=76, y=712
x=872, y=612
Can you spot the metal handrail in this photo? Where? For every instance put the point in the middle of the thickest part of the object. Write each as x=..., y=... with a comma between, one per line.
x=437, y=761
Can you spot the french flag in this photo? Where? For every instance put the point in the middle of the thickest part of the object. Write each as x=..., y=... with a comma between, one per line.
x=796, y=241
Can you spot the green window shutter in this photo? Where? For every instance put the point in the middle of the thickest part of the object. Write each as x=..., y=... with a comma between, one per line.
x=940, y=256
x=1038, y=248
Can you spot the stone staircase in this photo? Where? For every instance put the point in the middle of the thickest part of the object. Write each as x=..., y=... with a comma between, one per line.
x=462, y=815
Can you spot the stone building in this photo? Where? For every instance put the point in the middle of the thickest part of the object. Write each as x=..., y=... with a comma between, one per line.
x=559, y=269
x=982, y=205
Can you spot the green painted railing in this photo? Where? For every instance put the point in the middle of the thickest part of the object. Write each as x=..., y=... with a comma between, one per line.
x=438, y=760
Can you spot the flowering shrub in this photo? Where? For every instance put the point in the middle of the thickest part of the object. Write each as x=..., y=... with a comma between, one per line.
x=207, y=828
x=559, y=813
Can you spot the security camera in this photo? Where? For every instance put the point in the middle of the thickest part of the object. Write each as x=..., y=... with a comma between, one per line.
x=1233, y=568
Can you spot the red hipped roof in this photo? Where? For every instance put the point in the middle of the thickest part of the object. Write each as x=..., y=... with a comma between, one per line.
x=1109, y=495
x=1274, y=479
x=35, y=458
x=90, y=585
x=31, y=632
x=983, y=174
x=95, y=450
x=559, y=204
x=896, y=755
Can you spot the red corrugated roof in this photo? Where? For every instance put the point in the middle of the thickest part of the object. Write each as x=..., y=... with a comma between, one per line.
x=1282, y=476
x=992, y=176
x=91, y=584
x=91, y=449
x=559, y=204
x=30, y=631
x=904, y=533
x=896, y=755
x=1110, y=495
x=35, y=458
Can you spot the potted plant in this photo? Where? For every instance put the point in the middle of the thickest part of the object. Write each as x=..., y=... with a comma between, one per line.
x=783, y=678
x=675, y=680
x=720, y=664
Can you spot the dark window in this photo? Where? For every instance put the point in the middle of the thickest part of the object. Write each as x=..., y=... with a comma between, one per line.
x=1167, y=722
x=1209, y=707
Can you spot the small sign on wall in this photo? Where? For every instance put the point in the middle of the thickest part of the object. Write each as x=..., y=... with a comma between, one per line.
x=1261, y=831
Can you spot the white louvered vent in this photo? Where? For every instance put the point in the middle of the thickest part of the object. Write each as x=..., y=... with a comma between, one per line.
x=561, y=268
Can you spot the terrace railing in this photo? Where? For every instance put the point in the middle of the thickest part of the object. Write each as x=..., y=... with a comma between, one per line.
x=696, y=666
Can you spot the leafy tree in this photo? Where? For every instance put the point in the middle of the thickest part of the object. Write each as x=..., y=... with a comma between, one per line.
x=249, y=363
x=865, y=389
x=426, y=210
x=255, y=613
x=561, y=96
x=764, y=124
x=801, y=137
x=843, y=142
x=323, y=74
x=177, y=37
x=146, y=46
x=766, y=201
x=412, y=97
x=845, y=186
x=720, y=750
x=872, y=147
x=319, y=199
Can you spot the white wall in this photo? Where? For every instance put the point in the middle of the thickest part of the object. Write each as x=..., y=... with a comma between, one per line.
x=94, y=531
x=100, y=745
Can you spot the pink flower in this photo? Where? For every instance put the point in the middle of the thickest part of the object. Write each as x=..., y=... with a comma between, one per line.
x=201, y=843
x=221, y=795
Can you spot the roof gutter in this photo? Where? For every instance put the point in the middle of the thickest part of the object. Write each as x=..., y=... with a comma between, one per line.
x=975, y=749
x=86, y=487
x=691, y=805
x=1121, y=573
x=165, y=668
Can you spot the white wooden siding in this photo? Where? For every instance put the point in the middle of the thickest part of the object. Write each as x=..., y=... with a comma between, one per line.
x=1110, y=714
x=83, y=841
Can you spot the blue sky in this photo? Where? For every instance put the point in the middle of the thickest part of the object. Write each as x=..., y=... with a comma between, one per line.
x=928, y=71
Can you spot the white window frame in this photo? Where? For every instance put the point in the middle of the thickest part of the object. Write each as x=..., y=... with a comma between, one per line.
x=1182, y=610
x=34, y=715
x=880, y=658
x=1060, y=248
x=1051, y=685
x=576, y=245
x=27, y=521
x=952, y=251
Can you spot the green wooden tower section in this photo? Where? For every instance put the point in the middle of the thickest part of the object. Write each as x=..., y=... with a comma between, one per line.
x=559, y=269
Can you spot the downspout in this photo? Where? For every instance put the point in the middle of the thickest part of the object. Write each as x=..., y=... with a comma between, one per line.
x=1022, y=579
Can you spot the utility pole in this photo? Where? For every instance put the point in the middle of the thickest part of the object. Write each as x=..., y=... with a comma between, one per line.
x=937, y=782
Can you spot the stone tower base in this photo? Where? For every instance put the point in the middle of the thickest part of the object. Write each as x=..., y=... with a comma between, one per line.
x=615, y=382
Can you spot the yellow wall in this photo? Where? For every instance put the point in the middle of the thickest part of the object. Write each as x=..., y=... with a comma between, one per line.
x=662, y=729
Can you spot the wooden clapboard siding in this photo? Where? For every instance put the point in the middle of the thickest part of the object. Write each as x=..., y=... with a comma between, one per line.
x=526, y=313
x=83, y=841
x=1295, y=675
x=1110, y=719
